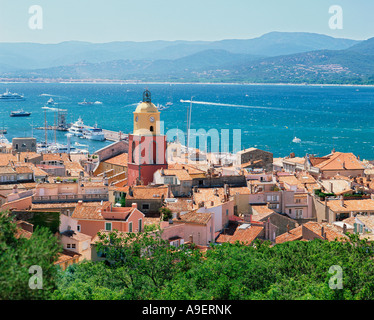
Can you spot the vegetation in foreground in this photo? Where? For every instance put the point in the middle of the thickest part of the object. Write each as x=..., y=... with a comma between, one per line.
x=143, y=266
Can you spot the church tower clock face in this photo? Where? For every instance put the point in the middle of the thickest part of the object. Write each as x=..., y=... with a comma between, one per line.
x=152, y=119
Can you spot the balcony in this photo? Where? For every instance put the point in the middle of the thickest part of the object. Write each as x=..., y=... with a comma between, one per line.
x=70, y=198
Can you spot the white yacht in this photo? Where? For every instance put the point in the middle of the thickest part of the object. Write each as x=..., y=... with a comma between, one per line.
x=94, y=133
x=296, y=140
x=77, y=128
x=9, y=96
x=51, y=102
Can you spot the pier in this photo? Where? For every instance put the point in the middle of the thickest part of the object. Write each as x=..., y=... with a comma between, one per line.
x=109, y=134
x=114, y=135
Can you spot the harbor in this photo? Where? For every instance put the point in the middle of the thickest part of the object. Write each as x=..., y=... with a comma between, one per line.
x=110, y=135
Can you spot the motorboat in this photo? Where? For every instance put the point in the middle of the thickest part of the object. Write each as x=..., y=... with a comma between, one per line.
x=85, y=103
x=20, y=113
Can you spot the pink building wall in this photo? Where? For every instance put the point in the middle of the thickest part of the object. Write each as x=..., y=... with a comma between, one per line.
x=92, y=227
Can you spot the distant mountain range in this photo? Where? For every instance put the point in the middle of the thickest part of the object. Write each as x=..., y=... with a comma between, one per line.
x=291, y=57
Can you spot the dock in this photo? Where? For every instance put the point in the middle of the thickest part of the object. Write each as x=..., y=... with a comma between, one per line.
x=114, y=135
x=109, y=135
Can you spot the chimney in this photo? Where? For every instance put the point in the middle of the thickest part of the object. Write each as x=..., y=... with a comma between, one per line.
x=322, y=231
x=191, y=238
x=344, y=228
x=178, y=215
x=134, y=205
x=288, y=228
x=342, y=201
x=80, y=202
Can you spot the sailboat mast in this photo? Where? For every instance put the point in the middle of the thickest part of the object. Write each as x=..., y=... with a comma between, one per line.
x=189, y=126
x=45, y=126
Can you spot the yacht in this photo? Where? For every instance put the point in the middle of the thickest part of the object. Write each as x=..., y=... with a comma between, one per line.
x=296, y=140
x=3, y=140
x=168, y=104
x=51, y=101
x=94, y=134
x=43, y=147
x=98, y=102
x=9, y=96
x=77, y=128
x=61, y=148
x=85, y=103
x=20, y=113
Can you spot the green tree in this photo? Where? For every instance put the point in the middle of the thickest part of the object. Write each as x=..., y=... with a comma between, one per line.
x=17, y=255
x=122, y=201
x=165, y=213
x=143, y=266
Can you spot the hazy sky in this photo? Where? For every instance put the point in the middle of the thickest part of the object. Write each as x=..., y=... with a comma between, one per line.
x=144, y=20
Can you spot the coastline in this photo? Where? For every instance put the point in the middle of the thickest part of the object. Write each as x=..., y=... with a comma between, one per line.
x=124, y=82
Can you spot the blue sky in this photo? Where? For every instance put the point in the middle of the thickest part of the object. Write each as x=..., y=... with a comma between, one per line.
x=146, y=20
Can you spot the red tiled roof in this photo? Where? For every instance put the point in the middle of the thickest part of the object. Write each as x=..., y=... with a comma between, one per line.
x=119, y=160
x=246, y=236
x=337, y=159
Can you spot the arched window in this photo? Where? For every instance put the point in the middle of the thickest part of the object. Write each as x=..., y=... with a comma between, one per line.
x=151, y=128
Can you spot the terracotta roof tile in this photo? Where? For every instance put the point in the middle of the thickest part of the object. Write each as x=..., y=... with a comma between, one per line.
x=181, y=174
x=337, y=159
x=194, y=217
x=148, y=192
x=292, y=235
x=246, y=236
x=119, y=160
x=362, y=205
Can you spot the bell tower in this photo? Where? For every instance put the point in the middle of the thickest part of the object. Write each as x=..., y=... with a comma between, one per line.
x=147, y=147
x=146, y=117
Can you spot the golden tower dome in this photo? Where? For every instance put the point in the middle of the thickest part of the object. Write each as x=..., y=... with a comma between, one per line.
x=146, y=117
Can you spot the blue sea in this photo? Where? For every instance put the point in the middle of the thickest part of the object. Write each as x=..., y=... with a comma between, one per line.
x=269, y=116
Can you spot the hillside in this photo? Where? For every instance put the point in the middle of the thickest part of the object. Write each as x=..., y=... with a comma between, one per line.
x=272, y=58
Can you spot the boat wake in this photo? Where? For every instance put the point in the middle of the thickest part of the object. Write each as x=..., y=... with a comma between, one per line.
x=250, y=107
x=52, y=109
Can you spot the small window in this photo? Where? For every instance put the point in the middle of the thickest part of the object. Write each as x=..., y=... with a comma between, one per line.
x=130, y=226
x=73, y=246
x=227, y=212
x=79, y=228
x=68, y=246
x=145, y=206
x=108, y=226
x=140, y=225
x=151, y=128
